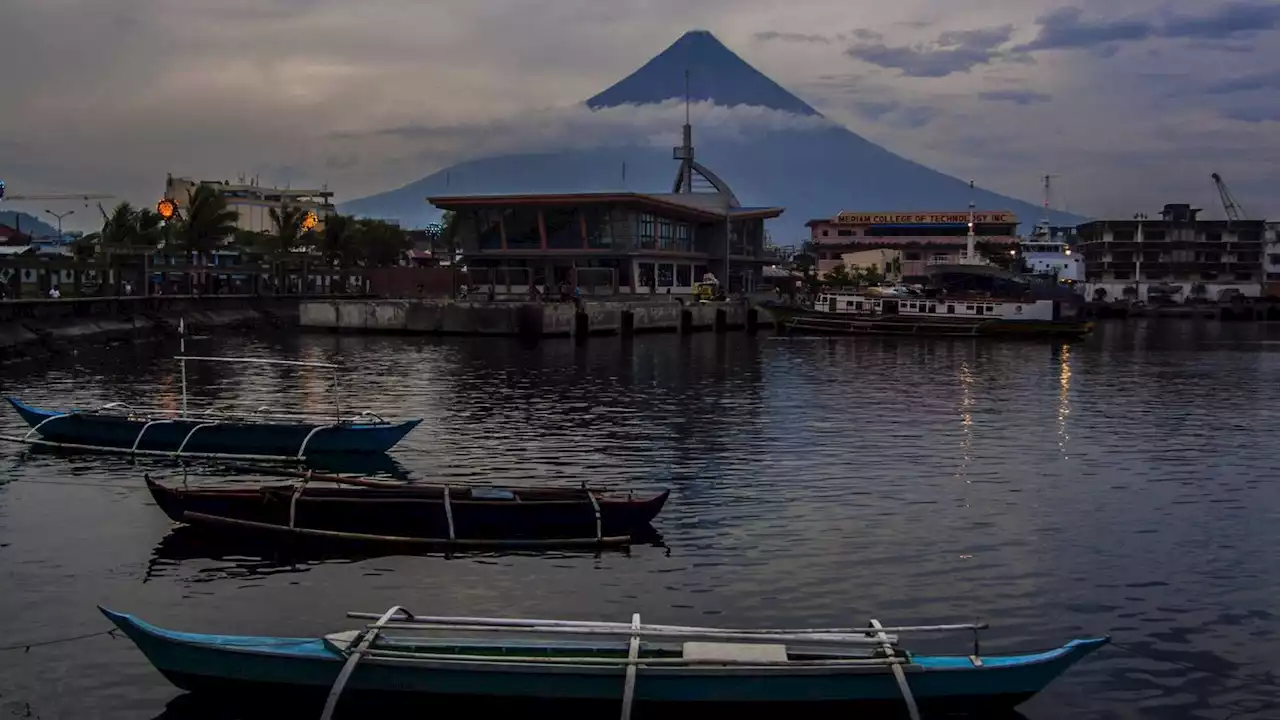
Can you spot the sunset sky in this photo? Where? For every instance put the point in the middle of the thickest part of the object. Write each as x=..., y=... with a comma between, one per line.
x=1133, y=104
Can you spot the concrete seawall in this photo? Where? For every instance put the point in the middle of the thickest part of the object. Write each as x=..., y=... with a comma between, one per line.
x=525, y=319
x=31, y=329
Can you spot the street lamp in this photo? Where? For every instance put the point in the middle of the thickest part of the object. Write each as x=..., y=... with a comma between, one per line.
x=60, y=216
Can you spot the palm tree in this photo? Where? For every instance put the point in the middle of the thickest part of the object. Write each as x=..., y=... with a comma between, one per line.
x=339, y=240
x=207, y=223
x=287, y=220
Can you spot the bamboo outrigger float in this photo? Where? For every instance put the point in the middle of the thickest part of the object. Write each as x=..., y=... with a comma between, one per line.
x=263, y=434
x=652, y=670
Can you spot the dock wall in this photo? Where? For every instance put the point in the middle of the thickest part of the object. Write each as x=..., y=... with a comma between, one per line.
x=526, y=319
x=32, y=329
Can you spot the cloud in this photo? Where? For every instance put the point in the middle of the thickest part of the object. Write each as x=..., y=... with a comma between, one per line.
x=1018, y=97
x=580, y=127
x=1245, y=83
x=791, y=37
x=1225, y=21
x=1253, y=114
x=1067, y=29
x=953, y=51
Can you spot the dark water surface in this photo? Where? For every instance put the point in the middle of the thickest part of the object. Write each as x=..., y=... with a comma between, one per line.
x=1121, y=485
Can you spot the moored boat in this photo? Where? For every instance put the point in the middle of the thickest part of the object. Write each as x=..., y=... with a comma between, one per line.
x=651, y=670
x=261, y=433
x=375, y=512
x=1013, y=310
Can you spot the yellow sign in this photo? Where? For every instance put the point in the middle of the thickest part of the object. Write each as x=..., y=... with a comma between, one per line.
x=922, y=218
x=166, y=208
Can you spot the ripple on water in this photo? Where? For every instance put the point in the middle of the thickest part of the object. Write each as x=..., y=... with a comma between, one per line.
x=1118, y=485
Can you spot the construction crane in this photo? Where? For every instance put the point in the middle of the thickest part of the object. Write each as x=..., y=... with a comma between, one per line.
x=1229, y=204
x=86, y=197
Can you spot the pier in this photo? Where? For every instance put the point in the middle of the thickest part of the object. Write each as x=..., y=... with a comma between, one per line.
x=528, y=319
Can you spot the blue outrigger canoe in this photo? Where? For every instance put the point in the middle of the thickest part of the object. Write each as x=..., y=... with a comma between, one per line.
x=261, y=434
x=691, y=669
x=144, y=432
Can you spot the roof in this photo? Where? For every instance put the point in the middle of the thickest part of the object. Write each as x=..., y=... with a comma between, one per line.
x=710, y=206
x=14, y=249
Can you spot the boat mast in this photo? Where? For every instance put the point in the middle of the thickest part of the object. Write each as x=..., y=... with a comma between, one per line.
x=182, y=353
x=970, y=243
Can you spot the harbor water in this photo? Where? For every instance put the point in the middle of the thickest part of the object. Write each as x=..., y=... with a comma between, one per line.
x=1121, y=485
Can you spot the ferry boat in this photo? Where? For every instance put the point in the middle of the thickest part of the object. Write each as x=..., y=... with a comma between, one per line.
x=966, y=300
x=1049, y=256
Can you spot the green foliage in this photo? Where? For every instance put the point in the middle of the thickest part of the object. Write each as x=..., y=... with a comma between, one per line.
x=206, y=223
x=126, y=226
x=289, y=234
x=381, y=243
x=838, y=276
x=871, y=275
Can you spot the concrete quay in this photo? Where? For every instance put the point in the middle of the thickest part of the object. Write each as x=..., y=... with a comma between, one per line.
x=527, y=319
x=38, y=328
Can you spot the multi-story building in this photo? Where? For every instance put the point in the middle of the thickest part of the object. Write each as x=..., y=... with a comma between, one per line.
x=923, y=238
x=253, y=202
x=1177, y=254
x=625, y=242
x=1271, y=260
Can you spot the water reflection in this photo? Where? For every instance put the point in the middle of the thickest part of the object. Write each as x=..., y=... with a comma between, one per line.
x=1122, y=485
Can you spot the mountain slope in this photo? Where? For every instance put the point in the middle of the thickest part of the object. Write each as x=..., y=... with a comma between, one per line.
x=813, y=173
x=716, y=73
x=27, y=223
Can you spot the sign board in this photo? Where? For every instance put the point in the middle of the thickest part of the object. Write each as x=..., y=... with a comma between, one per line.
x=923, y=218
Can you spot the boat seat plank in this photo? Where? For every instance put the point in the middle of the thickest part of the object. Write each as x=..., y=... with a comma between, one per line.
x=737, y=652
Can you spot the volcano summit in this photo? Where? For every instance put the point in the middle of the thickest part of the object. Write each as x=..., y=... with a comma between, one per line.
x=771, y=146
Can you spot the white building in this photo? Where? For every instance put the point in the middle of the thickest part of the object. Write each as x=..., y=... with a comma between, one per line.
x=253, y=202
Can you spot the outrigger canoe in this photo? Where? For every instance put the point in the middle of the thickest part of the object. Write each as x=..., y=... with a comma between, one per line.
x=264, y=433
x=117, y=427
x=648, y=670
x=367, y=511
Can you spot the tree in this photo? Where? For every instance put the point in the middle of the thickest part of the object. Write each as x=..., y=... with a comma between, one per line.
x=287, y=220
x=895, y=267
x=207, y=222
x=381, y=243
x=872, y=275
x=339, y=242
x=838, y=276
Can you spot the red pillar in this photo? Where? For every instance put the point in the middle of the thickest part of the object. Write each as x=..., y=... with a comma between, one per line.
x=542, y=230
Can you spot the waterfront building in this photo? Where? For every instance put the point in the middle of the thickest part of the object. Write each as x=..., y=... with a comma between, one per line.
x=923, y=238
x=1271, y=260
x=253, y=202
x=616, y=242
x=1174, y=257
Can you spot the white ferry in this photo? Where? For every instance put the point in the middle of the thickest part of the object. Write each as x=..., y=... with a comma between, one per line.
x=937, y=311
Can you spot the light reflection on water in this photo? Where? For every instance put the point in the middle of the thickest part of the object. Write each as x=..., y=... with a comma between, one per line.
x=1118, y=485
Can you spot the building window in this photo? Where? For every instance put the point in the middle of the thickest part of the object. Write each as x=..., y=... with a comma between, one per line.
x=825, y=233
x=666, y=275
x=1153, y=235
x=1123, y=275
x=911, y=256
x=951, y=309
x=647, y=221
x=1244, y=276
x=682, y=238
x=666, y=234
x=684, y=275
x=1249, y=236
x=1274, y=259
x=1213, y=236
x=647, y=278
x=844, y=233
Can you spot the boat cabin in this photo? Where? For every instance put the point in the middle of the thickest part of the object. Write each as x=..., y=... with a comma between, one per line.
x=877, y=305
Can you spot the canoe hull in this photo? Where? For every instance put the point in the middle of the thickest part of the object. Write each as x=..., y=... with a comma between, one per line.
x=238, y=438
x=306, y=668
x=413, y=512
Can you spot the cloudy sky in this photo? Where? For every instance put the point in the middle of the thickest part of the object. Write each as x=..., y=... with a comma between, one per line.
x=1133, y=104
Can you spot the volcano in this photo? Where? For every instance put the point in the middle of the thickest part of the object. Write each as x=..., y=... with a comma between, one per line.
x=814, y=170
